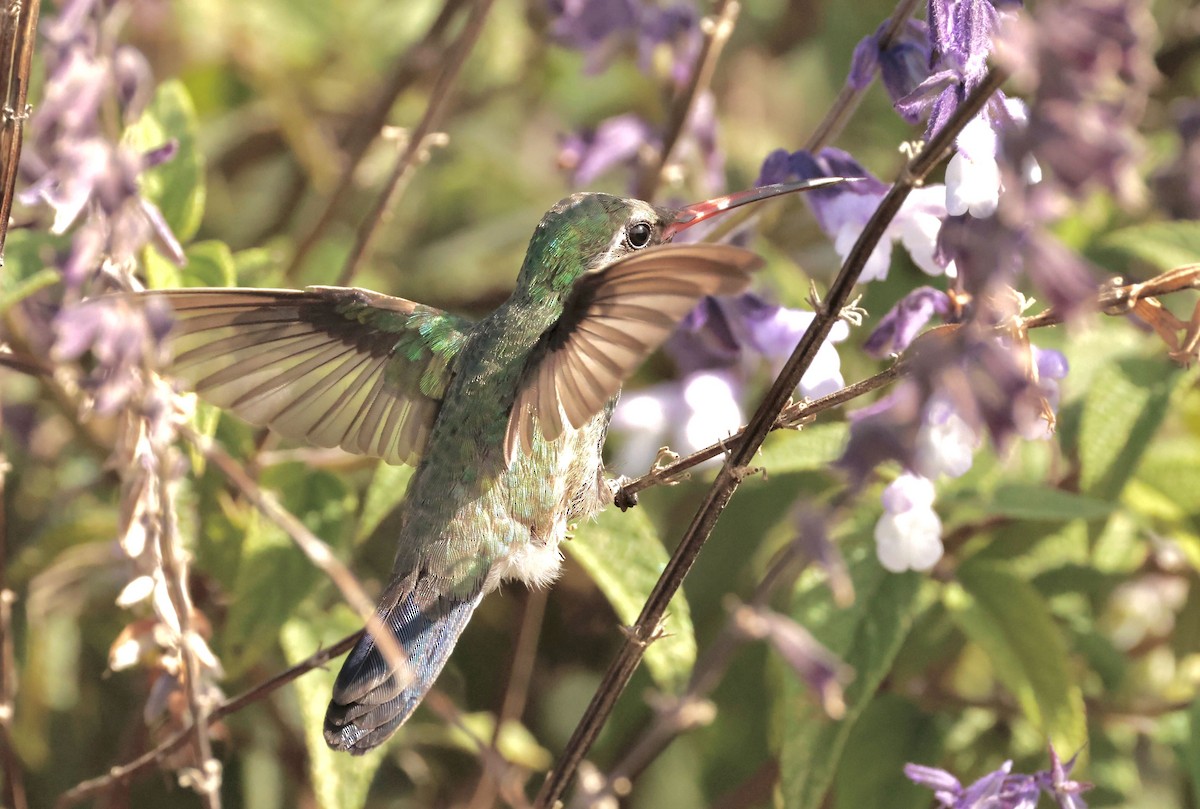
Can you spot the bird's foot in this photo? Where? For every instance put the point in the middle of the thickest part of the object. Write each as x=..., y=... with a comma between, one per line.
x=620, y=498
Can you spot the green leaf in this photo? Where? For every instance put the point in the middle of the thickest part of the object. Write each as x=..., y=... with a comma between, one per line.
x=384, y=496
x=1008, y=618
x=10, y=296
x=1164, y=245
x=516, y=743
x=867, y=636
x=1191, y=751
x=890, y=733
x=274, y=576
x=209, y=264
x=815, y=447
x=1125, y=405
x=339, y=781
x=176, y=186
x=1033, y=502
x=623, y=555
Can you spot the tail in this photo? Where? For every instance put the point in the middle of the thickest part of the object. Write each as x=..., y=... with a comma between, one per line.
x=370, y=697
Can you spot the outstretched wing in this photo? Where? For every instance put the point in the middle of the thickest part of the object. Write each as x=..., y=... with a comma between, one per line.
x=331, y=366
x=615, y=318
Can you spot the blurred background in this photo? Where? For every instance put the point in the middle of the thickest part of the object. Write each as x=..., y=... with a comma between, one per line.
x=271, y=98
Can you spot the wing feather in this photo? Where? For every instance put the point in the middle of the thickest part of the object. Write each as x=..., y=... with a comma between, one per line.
x=613, y=320
x=330, y=366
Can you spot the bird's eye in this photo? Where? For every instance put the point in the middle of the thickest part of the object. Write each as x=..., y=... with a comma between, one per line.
x=638, y=235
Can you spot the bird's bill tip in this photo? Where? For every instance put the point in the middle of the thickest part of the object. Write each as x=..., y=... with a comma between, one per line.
x=697, y=212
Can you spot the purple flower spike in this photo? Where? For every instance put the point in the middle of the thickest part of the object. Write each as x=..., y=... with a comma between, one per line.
x=900, y=326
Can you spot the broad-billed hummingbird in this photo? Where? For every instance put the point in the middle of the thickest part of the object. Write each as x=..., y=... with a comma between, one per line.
x=504, y=419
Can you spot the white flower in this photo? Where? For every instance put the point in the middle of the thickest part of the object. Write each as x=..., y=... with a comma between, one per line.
x=689, y=415
x=909, y=534
x=946, y=444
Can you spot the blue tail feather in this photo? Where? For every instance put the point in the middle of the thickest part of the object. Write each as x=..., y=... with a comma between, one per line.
x=370, y=699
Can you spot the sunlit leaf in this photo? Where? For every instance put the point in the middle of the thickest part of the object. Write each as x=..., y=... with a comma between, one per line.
x=1021, y=501
x=176, y=186
x=623, y=555
x=813, y=448
x=339, y=781
x=1124, y=407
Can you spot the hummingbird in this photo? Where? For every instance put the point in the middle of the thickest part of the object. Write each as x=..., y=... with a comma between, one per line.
x=504, y=419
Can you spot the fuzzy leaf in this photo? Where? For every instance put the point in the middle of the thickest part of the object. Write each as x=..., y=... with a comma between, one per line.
x=1007, y=617
x=1125, y=405
x=1033, y=502
x=815, y=447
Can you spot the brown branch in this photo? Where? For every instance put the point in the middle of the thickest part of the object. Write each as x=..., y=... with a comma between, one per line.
x=17, y=29
x=644, y=630
x=405, y=71
x=717, y=30
x=416, y=150
x=792, y=415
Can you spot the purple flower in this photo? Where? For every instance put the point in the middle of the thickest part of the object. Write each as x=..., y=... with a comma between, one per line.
x=843, y=210
x=961, y=33
x=946, y=443
x=693, y=413
x=119, y=339
x=824, y=673
x=974, y=178
x=960, y=386
x=601, y=28
x=1055, y=782
x=1091, y=62
x=901, y=325
x=1001, y=789
x=614, y=142
x=903, y=64
x=728, y=332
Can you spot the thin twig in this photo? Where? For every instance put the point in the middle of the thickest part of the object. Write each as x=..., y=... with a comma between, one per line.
x=644, y=630
x=405, y=71
x=207, y=778
x=516, y=692
x=312, y=546
x=680, y=716
x=17, y=30
x=717, y=30
x=791, y=415
x=417, y=148
x=126, y=772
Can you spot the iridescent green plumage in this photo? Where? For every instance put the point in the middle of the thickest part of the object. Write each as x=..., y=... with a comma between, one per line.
x=505, y=418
